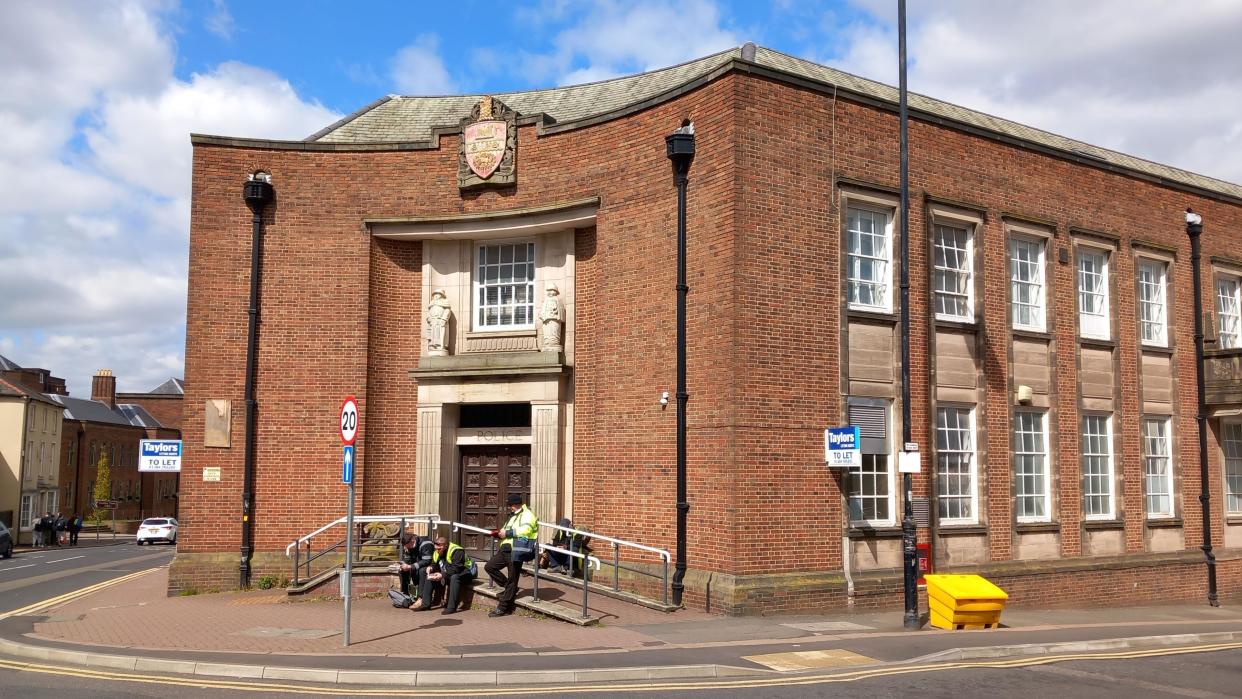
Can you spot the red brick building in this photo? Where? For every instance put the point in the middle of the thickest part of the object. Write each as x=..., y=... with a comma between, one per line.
x=102, y=425
x=1053, y=385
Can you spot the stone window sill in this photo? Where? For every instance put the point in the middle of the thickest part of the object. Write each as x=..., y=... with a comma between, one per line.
x=1098, y=524
x=874, y=532
x=962, y=529
x=1033, y=527
x=1160, y=522
x=949, y=324
x=860, y=314
x=1097, y=343
x=1032, y=334
x=1157, y=350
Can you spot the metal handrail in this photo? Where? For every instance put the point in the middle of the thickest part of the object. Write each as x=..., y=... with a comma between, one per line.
x=364, y=519
x=296, y=546
x=616, y=554
x=587, y=560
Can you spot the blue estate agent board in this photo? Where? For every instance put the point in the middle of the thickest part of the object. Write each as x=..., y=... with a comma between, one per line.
x=159, y=456
x=842, y=447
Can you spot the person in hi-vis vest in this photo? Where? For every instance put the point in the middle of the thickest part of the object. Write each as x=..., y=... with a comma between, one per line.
x=502, y=569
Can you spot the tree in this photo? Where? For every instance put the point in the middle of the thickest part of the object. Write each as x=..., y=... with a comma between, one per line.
x=103, y=485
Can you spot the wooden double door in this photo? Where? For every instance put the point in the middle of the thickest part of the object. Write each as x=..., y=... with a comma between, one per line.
x=488, y=476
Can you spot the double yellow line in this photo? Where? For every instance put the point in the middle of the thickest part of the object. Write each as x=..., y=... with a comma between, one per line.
x=68, y=596
x=779, y=681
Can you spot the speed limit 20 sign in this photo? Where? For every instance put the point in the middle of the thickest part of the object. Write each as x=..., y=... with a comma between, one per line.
x=349, y=420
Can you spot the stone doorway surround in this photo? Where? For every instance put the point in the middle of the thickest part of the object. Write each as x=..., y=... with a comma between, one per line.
x=438, y=476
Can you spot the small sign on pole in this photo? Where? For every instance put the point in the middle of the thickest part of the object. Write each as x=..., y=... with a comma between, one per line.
x=347, y=465
x=842, y=447
x=909, y=462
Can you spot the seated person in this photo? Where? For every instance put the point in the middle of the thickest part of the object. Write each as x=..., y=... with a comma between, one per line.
x=416, y=553
x=450, y=569
x=560, y=562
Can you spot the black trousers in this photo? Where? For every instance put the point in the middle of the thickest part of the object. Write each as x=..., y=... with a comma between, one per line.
x=412, y=580
x=504, y=572
x=434, y=589
x=73, y=537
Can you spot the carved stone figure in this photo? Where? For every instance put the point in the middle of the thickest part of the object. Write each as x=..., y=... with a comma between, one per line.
x=552, y=319
x=439, y=313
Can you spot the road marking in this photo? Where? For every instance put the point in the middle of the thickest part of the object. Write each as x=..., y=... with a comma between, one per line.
x=810, y=659
x=1153, y=687
x=782, y=681
x=51, y=602
x=28, y=565
x=62, y=560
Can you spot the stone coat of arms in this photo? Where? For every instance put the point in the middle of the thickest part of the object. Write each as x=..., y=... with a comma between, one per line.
x=488, y=151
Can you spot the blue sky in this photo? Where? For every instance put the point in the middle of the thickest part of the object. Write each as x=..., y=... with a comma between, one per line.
x=98, y=98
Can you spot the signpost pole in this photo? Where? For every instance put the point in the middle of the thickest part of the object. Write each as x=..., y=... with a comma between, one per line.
x=349, y=432
x=347, y=579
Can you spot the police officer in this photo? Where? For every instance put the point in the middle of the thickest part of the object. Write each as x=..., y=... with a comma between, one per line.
x=450, y=568
x=521, y=523
x=416, y=553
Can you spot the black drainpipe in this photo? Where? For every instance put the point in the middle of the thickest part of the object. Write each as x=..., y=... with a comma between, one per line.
x=258, y=193
x=1194, y=229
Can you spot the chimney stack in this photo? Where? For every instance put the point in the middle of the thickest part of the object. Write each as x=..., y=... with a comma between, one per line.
x=103, y=387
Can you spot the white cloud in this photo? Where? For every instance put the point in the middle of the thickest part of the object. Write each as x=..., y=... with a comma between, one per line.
x=608, y=39
x=1145, y=77
x=220, y=21
x=97, y=184
x=418, y=69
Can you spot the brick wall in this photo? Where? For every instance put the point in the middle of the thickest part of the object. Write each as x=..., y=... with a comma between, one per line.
x=340, y=315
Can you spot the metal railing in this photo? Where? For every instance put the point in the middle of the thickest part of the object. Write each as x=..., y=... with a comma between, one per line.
x=296, y=547
x=586, y=560
x=616, y=554
x=433, y=521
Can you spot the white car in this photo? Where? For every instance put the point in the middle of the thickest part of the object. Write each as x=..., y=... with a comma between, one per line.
x=157, y=529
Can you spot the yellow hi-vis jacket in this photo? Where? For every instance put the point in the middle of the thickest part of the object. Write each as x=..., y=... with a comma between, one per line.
x=521, y=523
x=447, y=562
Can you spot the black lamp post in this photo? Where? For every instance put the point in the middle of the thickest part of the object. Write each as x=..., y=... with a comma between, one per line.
x=680, y=145
x=909, y=534
x=1194, y=229
x=258, y=193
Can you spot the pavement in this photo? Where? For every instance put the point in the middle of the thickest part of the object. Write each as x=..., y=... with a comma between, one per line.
x=131, y=624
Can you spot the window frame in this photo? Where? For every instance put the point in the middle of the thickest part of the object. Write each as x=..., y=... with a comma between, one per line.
x=25, y=513
x=1167, y=479
x=971, y=431
x=890, y=238
x=1103, y=292
x=969, y=222
x=1162, y=267
x=1233, y=462
x=1110, y=474
x=885, y=452
x=1041, y=265
x=477, y=282
x=1046, y=479
x=1223, y=277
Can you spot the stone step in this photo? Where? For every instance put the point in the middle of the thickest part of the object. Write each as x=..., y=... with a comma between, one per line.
x=552, y=609
x=606, y=590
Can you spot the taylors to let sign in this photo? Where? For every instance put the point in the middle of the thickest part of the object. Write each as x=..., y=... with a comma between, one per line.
x=160, y=456
x=842, y=448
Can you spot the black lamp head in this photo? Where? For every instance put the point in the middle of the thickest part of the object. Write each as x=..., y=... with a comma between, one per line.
x=257, y=191
x=680, y=145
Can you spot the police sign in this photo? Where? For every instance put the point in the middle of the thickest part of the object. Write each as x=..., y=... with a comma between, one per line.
x=160, y=456
x=842, y=447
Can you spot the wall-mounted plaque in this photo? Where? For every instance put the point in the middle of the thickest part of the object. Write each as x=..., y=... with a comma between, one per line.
x=487, y=155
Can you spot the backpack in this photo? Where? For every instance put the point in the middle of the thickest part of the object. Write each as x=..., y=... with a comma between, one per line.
x=399, y=599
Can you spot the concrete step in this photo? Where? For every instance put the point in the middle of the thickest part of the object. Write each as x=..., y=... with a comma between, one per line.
x=552, y=609
x=606, y=590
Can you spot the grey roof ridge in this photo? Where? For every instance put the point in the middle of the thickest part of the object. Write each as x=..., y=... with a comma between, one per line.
x=347, y=118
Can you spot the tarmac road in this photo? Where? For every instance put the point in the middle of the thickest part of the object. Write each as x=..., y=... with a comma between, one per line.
x=39, y=574
x=1203, y=675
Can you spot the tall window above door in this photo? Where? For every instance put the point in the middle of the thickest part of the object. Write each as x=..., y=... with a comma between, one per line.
x=1093, y=294
x=504, y=286
x=869, y=247
x=953, y=259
